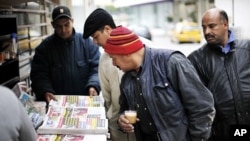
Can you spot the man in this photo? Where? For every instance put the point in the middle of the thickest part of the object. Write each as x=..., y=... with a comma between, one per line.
x=223, y=66
x=163, y=87
x=99, y=25
x=65, y=63
x=15, y=124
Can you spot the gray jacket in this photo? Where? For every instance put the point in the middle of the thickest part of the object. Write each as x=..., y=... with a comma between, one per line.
x=180, y=105
x=15, y=124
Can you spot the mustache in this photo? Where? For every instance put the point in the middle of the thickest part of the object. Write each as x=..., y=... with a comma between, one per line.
x=209, y=36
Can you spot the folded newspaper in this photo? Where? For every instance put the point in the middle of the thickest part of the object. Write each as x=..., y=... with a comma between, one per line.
x=71, y=138
x=36, y=110
x=74, y=120
x=77, y=101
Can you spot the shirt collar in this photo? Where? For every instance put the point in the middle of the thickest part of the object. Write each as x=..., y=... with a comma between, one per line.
x=231, y=39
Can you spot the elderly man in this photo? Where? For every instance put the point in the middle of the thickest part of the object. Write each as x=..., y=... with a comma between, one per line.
x=163, y=87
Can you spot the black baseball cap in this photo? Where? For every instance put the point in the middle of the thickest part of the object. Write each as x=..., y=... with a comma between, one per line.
x=59, y=12
x=97, y=19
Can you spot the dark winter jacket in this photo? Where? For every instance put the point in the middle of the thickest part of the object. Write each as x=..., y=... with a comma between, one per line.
x=180, y=105
x=65, y=66
x=228, y=78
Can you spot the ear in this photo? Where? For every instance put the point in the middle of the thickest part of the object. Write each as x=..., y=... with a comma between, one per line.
x=52, y=23
x=225, y=23
x=108, y=28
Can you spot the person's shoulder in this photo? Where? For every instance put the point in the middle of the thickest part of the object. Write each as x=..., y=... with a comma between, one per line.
x=166, y=54
x=242, y=43
x=7, y=93
x=79, y=35
x=199, y=51
x=147, y=42
x=5, y=90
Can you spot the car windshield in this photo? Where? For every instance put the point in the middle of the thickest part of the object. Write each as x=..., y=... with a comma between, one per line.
x=190, y=27
x=186, y=27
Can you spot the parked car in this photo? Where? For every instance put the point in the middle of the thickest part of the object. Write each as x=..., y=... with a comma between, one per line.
x=186, y=32
x=141, y=30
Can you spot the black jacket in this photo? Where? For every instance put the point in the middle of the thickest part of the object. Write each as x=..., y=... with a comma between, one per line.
x=180, y=105
x=65, y=66
x=228, y=78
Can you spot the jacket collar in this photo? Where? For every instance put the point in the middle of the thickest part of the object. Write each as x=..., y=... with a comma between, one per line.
x=229, y=47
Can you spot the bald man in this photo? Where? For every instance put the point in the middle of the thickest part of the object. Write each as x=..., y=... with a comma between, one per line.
x=223, y=66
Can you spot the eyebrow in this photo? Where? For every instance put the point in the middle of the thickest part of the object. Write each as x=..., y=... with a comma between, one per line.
x=66, y=22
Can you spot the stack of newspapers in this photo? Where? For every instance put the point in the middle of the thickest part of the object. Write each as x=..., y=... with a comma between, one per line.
x=81, y=118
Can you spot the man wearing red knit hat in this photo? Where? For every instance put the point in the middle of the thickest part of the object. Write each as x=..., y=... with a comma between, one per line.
x=99, y=25
x=163, y=87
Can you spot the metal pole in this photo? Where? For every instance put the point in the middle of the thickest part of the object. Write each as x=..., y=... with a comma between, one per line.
x=233, y=13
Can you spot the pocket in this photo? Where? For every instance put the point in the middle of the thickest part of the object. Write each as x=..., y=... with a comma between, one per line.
x=81, y=63
x=167, y=101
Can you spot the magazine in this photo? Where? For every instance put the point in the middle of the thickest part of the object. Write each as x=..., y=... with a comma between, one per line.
x=74, y=120
x=77, y=101
x=71, y=138
x=77, y=112
x=35, y=110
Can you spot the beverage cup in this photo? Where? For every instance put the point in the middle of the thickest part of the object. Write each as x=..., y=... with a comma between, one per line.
x=131, y=116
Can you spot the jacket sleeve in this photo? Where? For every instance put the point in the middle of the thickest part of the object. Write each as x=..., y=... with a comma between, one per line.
x=110, y=76
x=104, y=82
x=196, y=98
x=40, y=73
x=122, y=99
x=94, y=56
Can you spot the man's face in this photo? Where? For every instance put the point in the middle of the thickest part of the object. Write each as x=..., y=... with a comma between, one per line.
x=100, y=36
x=123, y=62
x=214, y=29
x=63, y=27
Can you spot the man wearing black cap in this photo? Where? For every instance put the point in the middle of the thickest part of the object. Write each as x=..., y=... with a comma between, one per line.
x=65, y=63
x=99, y=25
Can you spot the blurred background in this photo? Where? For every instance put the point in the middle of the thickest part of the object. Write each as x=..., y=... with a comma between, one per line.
x=172, y=24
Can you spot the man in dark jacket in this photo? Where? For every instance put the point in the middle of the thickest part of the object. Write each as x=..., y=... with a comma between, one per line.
x=223, y=66
x=65, y=63
x=163, y=87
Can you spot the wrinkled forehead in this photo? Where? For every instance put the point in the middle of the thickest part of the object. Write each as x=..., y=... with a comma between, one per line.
x=211, y=17
x=213, y=14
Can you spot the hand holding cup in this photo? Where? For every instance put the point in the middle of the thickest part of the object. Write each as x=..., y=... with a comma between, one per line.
x=131, y=116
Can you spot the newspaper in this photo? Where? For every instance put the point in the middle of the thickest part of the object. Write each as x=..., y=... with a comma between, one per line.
x=77, y=101
x=71, y=138
x=74, y=120
x=35, y=110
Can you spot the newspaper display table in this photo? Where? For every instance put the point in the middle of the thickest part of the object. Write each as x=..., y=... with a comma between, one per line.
x=74, y=118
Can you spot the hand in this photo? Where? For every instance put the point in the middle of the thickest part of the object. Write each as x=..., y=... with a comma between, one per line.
x=92, y=91
x=124, y=124
x=49, y=96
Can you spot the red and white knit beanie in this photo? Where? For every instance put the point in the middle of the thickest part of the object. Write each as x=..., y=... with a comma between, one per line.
x=122, y=41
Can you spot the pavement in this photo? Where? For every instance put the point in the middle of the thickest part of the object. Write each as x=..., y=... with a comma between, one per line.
x=158, y=32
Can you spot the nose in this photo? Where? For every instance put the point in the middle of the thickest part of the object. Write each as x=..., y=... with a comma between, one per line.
x=113, y=63
x=62, y=29
x=206, y=31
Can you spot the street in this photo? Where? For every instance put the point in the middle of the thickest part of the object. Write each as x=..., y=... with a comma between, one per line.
x=161, y=40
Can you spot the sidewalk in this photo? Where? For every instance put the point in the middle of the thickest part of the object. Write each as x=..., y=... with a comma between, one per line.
x=158, y=32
